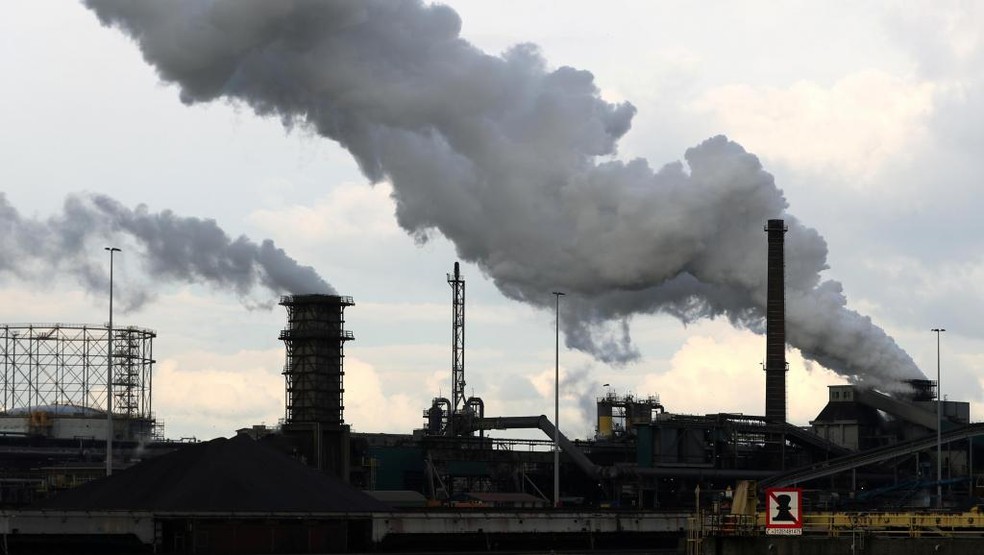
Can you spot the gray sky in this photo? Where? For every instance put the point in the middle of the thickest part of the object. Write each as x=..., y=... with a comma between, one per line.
x=868, y=117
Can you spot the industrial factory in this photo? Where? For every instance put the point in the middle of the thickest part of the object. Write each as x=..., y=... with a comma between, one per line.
x=648, y=477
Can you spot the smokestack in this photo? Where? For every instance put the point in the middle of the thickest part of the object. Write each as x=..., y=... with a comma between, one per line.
x=315, y=340
x=775, y=325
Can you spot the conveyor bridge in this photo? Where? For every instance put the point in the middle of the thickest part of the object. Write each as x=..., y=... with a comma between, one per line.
x=871, y=456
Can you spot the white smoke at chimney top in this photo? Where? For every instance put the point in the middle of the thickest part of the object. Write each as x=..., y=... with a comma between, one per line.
x=169, y=248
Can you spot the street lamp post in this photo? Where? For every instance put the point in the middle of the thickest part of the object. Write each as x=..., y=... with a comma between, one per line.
x=109, y=371
x=939, y=424
x=557, y=295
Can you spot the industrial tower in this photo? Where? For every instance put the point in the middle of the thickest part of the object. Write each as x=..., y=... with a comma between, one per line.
x=455, y=416
x=457, y=284
x=314, y=340
x=775, y=326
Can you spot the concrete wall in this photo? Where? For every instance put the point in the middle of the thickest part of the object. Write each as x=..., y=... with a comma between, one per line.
x=843, y=433
x=73, y=427
x=81, y=427
x=58, y=427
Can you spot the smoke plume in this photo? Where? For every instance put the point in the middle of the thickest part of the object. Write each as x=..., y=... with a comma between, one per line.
x=514, y=162
x=169, y=247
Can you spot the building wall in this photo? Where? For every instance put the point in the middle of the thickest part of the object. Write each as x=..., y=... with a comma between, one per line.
x=65, y=427
x=845, y=434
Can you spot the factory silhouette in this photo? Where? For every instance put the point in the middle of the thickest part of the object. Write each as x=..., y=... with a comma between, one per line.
x=313, y=485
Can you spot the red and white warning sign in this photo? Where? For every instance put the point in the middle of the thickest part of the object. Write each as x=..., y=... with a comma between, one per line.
x=784, y=511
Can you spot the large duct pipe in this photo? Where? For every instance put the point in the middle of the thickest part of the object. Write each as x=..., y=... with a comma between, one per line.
x=547, y=427
x=775, y=326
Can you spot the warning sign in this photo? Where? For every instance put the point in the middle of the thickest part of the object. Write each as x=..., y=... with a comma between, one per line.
x=784, y=511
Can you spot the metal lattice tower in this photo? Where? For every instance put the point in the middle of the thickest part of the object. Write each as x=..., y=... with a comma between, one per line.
x=314, y=340
x=65, y=364
x=129, y=371
x=457, y=339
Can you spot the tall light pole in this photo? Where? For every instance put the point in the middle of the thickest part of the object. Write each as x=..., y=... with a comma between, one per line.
x=557, y=295
x=109, y=371
x=939, y=424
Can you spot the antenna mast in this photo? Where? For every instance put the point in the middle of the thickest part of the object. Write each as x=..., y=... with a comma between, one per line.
x=457, y=284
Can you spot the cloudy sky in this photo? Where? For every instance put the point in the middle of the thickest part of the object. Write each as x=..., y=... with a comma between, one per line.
x=868, y=116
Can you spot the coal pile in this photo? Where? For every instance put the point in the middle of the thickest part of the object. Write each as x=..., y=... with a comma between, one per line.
x=222, y=475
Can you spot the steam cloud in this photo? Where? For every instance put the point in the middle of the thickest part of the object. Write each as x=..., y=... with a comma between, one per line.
x=514, y=162
x=172, y=248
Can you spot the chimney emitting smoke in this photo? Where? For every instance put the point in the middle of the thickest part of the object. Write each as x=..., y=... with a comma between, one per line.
x=775, y=325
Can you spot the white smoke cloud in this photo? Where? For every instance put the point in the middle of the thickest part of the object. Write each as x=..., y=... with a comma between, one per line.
x=170, y=248
x=514, y=162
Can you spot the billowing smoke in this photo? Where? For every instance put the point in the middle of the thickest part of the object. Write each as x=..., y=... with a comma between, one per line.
x=514, y=162
x=169, y=248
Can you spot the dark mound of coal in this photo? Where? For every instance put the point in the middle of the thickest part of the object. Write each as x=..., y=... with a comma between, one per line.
x=222, y=475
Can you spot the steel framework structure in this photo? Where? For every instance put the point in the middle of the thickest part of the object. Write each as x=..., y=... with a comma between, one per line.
x=457, y=284
x=65, y=364
x=314, y=340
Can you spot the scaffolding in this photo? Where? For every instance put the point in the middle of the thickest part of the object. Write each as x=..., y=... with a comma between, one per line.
x=314, y=341
x=51, y=365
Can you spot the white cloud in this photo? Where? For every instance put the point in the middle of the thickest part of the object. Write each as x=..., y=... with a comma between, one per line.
x=369, y=408
x=219, y=394
x=216, y=394
x=720, y=372
x=69, y=306
x=349, y=211
x=852, y=127
x=404, y=312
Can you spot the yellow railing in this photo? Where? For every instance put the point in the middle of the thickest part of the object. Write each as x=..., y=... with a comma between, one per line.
x=834, y=524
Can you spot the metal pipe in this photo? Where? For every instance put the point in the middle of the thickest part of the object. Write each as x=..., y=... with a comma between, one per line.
x=939, y=424
x=557, y=295
x=109, y=371
x=543, y=424
x=471, y=404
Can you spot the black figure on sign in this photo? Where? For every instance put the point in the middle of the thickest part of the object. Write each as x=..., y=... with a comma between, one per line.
x=782, y=509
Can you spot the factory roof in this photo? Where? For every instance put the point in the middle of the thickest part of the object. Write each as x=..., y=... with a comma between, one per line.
x=850, y=412
x=223, y=475
x=55, y=410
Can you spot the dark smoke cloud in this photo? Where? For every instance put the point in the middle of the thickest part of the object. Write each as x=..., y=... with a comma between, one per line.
x=170, y=248
x=514, y=162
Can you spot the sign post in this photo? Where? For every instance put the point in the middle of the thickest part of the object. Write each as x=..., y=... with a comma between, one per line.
x=784, y=511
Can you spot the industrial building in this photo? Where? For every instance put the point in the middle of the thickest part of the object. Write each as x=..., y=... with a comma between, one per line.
x=53, y=419
x=865, y=449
